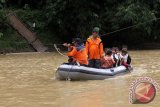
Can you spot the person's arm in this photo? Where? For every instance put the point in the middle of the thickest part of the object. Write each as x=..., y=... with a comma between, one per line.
x=113, y=61
x=101, y=50
x=102, y=60
x=68, y=46
x=125, y=64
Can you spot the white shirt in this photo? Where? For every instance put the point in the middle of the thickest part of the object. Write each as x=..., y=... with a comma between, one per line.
x=125, y=58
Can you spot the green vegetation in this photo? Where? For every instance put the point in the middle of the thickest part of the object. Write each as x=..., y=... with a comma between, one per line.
x=61, y=20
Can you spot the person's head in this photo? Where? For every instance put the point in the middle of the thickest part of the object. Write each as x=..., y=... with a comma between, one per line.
x=125, y=47
x=117, y=50
x=114, y=50
x=108, y=52
x=124, y=51
x=77, y=41
x=95, y=32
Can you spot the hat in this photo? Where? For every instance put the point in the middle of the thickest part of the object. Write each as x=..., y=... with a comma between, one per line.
x=96, y=29
x=77, y=40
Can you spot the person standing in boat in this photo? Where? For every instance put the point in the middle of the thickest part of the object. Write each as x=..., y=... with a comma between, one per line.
x=107, y=61
x=94, y=48
x=77, y=53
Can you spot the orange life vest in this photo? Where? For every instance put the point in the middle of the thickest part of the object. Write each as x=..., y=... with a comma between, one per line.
x=80, y=56
x=107, y=62
x=94, y=48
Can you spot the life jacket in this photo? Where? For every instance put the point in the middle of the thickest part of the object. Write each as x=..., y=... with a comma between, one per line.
x=107, y=62
x=94, y=48
x=78, y=55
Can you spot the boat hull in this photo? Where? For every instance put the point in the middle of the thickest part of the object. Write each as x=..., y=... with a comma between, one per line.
x=75, y=72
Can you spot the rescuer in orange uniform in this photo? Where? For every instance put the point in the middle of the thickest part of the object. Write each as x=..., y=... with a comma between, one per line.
x=94, y=48
x=77, y=53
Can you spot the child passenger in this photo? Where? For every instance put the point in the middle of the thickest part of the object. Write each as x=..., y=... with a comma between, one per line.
x=116, y=56
x=126, y=59
x=107, y=61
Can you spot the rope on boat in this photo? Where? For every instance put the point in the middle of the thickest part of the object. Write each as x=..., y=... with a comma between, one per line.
x=58, y=50
x=68, y=75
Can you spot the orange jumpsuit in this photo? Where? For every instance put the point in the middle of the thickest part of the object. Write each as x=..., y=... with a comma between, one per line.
x=80, y=56
x=94, y=48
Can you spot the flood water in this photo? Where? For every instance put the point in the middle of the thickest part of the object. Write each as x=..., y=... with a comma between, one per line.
x=27, y=80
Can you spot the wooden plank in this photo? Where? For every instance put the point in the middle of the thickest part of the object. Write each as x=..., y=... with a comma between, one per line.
x=26, y=33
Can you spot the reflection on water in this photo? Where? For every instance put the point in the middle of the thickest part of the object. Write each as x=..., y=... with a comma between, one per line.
x=28, y=80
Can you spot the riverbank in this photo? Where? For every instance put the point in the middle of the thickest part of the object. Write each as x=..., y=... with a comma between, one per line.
x=12, y=47
x=28, y=48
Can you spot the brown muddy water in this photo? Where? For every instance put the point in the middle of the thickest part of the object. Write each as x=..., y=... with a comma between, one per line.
x=27, y=80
